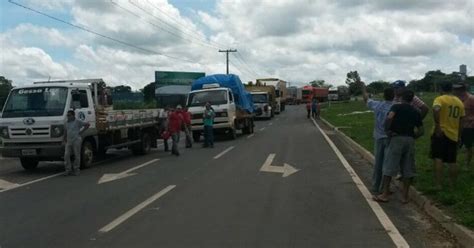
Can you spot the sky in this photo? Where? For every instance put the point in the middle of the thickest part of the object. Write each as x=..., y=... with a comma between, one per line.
x=126, y=41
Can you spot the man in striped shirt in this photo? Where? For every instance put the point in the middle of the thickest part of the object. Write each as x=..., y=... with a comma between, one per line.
x=400, y=86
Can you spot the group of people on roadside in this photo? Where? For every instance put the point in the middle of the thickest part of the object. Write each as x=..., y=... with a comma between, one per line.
x=177, y=120
x=399, y=122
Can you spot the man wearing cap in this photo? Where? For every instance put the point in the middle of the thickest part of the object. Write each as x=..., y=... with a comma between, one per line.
x=467, y=135
x=400, y=86
x=448, y=112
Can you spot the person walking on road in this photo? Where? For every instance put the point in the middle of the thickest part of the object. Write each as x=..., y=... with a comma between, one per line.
x=399, y=87
x=448, y=112
x=308, y=109
x=174, y=127
x=381, y=110
x=208, y=120
x=164, y=116
x=187, y=127
x=73, y=142
x=467, y=134
x=314, y=108
x=403, y=125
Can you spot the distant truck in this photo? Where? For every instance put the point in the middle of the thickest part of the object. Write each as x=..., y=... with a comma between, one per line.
x=295, y=95
x=173, y=87
x=32, y=124
x=231, y=102
x=280, y=89
x=340, y=93
x=263, y=99
x=309, y=92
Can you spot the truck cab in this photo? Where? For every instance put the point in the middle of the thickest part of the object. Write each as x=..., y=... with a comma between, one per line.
x=262, y=104
x=33, y=118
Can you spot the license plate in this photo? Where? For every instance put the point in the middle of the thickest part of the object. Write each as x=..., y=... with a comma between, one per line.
x=28, y=152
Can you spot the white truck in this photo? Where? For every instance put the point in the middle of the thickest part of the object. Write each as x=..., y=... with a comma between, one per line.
x=281, y=92
x=225, y=93
x=33, y=118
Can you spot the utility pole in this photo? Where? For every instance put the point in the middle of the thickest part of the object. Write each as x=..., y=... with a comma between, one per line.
x=227, y=56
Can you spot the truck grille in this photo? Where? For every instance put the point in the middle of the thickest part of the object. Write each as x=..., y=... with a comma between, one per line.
x=29, y=132
x=198, y=116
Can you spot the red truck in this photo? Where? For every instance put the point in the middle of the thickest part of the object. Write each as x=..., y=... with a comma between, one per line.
x=310, y=92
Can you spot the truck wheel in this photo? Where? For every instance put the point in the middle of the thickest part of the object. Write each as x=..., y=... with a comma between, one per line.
x=28, y=163
x=87, y=154
x=144, y=146
x=196, y=136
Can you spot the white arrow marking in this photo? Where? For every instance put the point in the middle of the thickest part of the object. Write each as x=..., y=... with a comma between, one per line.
x=7, y=185
x=135, y=210
x=286, y=169
x=114, y=176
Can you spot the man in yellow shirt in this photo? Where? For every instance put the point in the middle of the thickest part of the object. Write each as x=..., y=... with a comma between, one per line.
x=448, y=111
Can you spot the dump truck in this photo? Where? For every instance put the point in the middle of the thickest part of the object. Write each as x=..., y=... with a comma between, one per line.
x=232, y=105
x=280, y=89
x=32, y=124
x=263, y=98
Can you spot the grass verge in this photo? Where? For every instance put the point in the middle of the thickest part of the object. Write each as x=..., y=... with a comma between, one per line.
x=355, y=122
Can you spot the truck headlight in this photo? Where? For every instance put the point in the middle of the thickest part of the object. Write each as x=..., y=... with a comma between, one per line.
x=4, y=132
x=57, y=131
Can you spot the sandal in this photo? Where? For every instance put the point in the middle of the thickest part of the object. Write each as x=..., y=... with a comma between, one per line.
x=378, y=199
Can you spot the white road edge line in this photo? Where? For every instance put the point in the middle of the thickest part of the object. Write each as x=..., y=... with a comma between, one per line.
x=224, y=152
x=135, y=210
x=250, y=136
x=261, y=129
x=388, y=225
x=34, y=181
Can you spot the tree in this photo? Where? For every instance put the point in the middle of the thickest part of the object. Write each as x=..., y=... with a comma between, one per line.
x=122, y=89
x=352, y=81
x=320, y=83
x=5, y=87
x=377, y=87
x=149, y=92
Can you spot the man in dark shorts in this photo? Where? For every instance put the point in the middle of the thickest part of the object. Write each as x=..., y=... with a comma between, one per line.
x=467, y=135
x=448, y=112
x=403, y=126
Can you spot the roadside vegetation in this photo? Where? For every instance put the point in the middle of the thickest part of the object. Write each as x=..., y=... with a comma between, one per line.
x=459, y=201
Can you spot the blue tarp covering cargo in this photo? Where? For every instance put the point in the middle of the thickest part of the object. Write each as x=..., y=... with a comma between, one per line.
x=243, y=99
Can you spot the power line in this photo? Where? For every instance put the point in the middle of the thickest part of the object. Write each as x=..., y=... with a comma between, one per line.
x=97, y=33
x=178, y=22
x=227, y=57
x=203, y=42
x=238, y=55
x=250, y=72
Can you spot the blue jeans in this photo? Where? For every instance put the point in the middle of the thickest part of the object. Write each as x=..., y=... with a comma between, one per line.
x=208, y=136
x=380, y=146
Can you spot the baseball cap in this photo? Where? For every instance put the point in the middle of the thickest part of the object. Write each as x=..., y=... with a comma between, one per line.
x=459, y=86
x=398, y=84
x=179, y=107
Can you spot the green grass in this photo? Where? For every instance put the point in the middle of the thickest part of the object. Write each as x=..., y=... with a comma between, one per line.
x=459, y=201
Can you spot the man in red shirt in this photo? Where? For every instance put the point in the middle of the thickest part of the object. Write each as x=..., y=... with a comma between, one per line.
x=187, y=127
x=467, y=134
x=174, y=127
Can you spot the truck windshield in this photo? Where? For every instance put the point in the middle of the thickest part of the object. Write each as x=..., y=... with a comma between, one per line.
x=259, y=98
x=215, y=97
x=333, y=92
x=40, y=101
x=306, y=92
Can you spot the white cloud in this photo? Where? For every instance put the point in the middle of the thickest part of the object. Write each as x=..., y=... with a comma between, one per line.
x=299, y=40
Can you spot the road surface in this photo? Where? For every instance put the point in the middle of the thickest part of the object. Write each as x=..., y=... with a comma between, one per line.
x=283, y=186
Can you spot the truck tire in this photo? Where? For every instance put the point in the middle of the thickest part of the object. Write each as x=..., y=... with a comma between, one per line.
x=29, y=163
x=87, y=154
x=196, y=136
x=144, y=146
x=248, y=129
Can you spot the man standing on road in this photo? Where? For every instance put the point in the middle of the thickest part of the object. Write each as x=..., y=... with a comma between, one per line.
x=314, y=108
x=308, y=109
x=381, y=109
x=400, y=86
x=467, y=135
x=164, y=116
x=401, y=123
x=73, y=142
x=448, y=112
x=208, y=120
x=174, y=127
x=187, y=127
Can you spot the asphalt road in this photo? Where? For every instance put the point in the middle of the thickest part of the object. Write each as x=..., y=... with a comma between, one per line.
x=205, y=198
